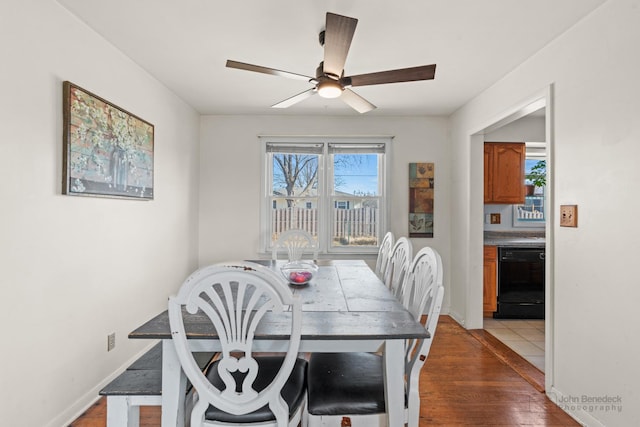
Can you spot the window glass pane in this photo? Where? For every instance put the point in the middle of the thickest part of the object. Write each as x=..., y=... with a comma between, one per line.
x=294, y=175
x=341, y=204
x=528, y=164
x=299, y=214
x=355, y=174
x=355, y=221
x=534, y=173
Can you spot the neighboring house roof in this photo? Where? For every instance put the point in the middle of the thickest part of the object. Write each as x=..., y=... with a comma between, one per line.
x=298, y=192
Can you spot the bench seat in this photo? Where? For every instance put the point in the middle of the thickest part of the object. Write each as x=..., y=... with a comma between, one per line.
x=135, y=382
x=139, y=385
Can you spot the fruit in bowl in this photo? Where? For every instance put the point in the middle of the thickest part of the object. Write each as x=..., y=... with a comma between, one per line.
x=299, y=272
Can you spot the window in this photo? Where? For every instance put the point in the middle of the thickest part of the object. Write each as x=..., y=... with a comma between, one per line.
x=334, y=188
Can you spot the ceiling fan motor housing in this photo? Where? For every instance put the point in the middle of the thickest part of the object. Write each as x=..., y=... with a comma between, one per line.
x=320, y=74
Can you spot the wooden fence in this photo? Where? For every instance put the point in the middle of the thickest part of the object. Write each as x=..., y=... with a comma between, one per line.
x=360, y=222
x=297, y=218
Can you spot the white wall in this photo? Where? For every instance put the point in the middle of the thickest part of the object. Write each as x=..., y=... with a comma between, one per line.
x=526, y=129
x=74, y=269
x=594, y=70
x=231, y=166
x=507, y=218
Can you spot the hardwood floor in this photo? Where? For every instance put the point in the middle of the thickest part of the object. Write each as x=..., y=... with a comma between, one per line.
x=469, y=379
x=472, y=379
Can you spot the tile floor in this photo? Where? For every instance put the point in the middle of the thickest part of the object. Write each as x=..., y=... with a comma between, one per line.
x=524, y=336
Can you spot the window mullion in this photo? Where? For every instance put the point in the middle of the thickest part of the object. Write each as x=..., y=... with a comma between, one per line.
x=324, y=173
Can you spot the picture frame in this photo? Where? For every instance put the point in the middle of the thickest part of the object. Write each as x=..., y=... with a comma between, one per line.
x=107, y=151
x=421, y=197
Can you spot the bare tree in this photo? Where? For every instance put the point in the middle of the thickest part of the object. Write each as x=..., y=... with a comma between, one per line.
x=295, y=171
x=300, y=172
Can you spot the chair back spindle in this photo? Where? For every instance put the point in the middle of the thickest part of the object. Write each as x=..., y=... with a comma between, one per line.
x=384, y=253
x=399, y=260
x=296, y=243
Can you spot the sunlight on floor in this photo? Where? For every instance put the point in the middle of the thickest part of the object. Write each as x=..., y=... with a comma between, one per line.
x=525, y=337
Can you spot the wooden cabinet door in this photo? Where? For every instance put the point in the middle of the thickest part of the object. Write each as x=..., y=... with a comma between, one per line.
x=488, y=173
x=490, y=281
x=505, y=165
x=508, y=173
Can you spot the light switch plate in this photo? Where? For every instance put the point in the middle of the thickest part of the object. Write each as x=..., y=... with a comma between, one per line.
x=495, y=218
x=568, y=215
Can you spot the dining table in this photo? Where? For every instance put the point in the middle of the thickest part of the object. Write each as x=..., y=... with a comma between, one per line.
x=346, y=308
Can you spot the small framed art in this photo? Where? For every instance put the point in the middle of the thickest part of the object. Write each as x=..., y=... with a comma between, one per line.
x=421, y=187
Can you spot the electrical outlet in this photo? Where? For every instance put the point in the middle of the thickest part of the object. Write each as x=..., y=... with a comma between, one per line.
x=111, y=341
x=568, y=215
x=495, y=218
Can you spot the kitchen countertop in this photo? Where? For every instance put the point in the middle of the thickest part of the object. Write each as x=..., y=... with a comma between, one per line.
x=520, y=239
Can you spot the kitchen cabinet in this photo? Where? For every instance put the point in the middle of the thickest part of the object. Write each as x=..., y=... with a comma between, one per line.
x=504, y=172
x=490, y=281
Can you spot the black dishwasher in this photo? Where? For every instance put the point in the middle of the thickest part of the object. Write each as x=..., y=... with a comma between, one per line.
x=520, y=283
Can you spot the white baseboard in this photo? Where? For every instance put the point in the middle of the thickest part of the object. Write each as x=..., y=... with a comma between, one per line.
x=574, y=408
x=84, y=402
x=458, y=318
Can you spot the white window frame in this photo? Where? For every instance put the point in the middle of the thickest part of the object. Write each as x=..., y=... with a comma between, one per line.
x=325, y=196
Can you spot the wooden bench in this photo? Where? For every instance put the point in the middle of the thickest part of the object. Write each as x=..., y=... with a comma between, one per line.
x=139, y=385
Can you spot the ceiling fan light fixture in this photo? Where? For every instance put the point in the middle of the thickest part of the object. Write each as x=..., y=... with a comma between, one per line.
x=329, y=89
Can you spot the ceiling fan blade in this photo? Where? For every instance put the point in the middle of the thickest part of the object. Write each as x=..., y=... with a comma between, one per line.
x=425, y=72
x=295, y=99
x=356, y=102
x=338, y=34
x=266, y=70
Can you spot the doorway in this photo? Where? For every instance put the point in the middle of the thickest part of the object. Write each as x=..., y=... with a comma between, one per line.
x=532, y=337
x=525, y=337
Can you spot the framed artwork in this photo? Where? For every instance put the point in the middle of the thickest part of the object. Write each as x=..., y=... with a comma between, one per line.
x=421, y=181
x=108, y=151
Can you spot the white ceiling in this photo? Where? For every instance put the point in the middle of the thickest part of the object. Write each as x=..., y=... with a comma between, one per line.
x=186, y=43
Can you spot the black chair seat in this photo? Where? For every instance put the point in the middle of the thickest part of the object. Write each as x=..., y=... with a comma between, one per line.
x=346, y=383
x=293, y=391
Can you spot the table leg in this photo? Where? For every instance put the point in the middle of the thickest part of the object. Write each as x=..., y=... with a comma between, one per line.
x=174, y=386
x=393, y=381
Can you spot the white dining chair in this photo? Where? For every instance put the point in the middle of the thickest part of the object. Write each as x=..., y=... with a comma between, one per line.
x=241, y=387
x=296, y=244
x=424, y=271
x=399, y=260
x=347, y=389
x=384, y=251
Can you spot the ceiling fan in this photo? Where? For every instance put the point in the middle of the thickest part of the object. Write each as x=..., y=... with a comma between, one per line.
x=330, y=81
